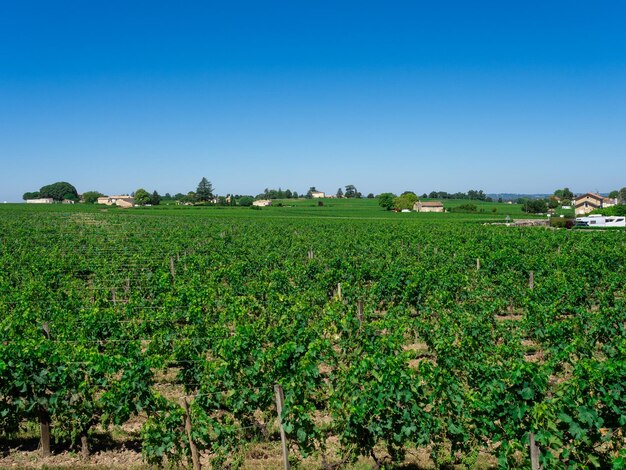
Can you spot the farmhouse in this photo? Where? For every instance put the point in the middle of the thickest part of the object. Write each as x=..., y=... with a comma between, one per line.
x=434, y=206
x=587, y=202
x=41, y=200
x=121, y=201
x=317, y=194
x=262, y=203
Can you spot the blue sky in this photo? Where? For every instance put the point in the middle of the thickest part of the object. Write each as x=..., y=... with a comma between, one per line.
x=389, y=96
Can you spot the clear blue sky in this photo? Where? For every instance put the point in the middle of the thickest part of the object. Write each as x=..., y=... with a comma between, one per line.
x=515, y=96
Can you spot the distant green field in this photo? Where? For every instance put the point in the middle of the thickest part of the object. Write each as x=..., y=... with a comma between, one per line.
x=311, y=208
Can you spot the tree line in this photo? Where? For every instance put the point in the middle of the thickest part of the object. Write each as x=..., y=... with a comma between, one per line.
x=204, y=194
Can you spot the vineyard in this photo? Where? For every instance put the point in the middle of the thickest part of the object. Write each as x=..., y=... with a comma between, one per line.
x=472, y=345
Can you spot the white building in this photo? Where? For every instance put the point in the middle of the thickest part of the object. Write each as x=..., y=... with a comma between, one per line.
x=431, y=206
x=262, y=203
x=42, y=200
x=121, y=201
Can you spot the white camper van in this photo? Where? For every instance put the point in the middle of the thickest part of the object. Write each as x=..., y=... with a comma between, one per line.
x=604, y=221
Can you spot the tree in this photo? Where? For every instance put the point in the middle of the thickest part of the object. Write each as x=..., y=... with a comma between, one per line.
x=310, y=192
x=386, y=200
x=276, y=194
x=370, y=196
x=142, y=197
x=204, y=193
x=476, y=194
x=535, y=206
x=622, y=196
x=155, y=199
x=339, y=193
x=351, y=191
x=246, y=201
x=31, y=195
x=614, y=194
x=190, y=197
x=91, y=197
x=59, y=191
x=405, y=201
x=567, y=194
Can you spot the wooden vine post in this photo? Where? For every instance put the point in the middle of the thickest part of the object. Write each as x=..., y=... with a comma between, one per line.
x=534, y=452
x=477, y=264
x=195, y=458
x=84, y=446
x=359, y=312
x=339, y=296
x=44, y=416
x=172, y=268
x=531, y=280
x=280, y=400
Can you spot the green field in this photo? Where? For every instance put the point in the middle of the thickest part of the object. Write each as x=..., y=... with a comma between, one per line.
x=369, y=208
x=310, y=208
x=424, y=340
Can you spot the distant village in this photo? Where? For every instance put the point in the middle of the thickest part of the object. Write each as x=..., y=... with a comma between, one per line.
x=408, y=201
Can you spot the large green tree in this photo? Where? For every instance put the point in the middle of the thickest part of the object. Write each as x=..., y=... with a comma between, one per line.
x=246, y=201
x=567, y=194
x=142, y=196
x=91, y=197
x=155, y=198
x=204, y=193
x=31, y=195
x=351, y=191
x=59, y=191
x=535, y=206
x=385, y=200
x=406, y=201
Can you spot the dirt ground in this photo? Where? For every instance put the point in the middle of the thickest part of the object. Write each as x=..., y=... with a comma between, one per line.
x=23, y=454
x=124, y=451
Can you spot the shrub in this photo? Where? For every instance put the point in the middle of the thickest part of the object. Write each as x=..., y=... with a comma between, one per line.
x=468, y=207
x=561, y=222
